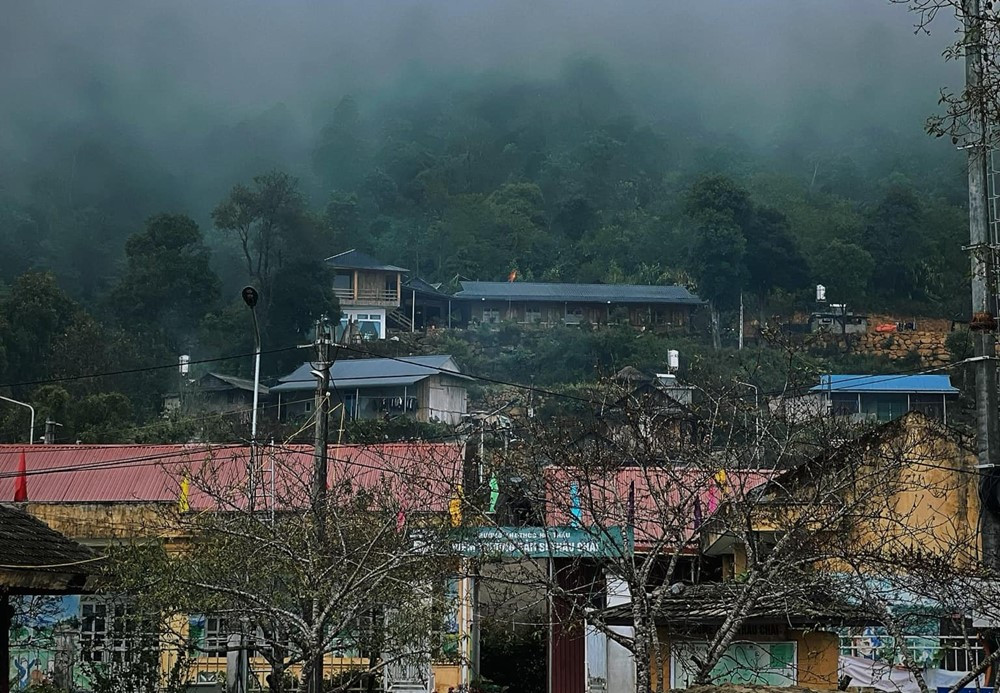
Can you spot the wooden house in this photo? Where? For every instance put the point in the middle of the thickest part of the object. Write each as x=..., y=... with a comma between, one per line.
x=369, y=292
x=547, y=304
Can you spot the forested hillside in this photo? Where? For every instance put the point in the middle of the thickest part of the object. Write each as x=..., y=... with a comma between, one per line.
x=133, y=206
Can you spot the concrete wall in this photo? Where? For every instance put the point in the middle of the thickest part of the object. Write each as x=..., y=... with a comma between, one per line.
x=934, y=503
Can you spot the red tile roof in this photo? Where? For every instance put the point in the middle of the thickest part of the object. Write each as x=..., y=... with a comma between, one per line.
x=421, y=476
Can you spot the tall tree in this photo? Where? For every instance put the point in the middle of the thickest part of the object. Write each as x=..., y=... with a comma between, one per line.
x=168, y=282
x=717, y=262
x=773, y=258
x=894, y=238
x=268, y=219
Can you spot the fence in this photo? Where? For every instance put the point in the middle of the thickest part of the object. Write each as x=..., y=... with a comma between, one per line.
x=208, y=675
x=948, y=652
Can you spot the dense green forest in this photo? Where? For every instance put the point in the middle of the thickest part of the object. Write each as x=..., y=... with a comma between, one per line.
x=120, y=250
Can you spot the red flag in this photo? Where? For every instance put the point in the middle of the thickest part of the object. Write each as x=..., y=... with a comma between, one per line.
x=512, y=276
x=21, y=482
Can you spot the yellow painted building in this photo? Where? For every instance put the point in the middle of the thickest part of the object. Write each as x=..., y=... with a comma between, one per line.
x=130, y=507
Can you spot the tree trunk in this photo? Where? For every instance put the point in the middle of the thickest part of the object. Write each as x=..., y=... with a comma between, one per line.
x=716, y=336
x=642, y=649
x=643, y=673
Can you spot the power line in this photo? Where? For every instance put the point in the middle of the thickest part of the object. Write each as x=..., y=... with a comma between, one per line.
x=143, y=369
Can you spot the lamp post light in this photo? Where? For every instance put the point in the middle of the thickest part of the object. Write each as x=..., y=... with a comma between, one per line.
x=250, y=297
x=31, y=431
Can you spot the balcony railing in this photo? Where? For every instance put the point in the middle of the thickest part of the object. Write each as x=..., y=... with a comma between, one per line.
x=368, y=296
x=949, y=652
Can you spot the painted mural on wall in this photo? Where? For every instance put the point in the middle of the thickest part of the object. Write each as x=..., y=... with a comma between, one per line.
x=44, y=642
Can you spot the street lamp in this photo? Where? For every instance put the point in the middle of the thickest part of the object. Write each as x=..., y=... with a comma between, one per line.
x=250, y=297
x=31, y=431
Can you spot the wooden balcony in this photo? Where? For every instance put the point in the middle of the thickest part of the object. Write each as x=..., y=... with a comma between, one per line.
x=367, y=297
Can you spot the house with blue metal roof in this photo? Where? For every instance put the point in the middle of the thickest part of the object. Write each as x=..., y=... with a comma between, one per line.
x=425, y=388
x=546, y=303
x=885, y=397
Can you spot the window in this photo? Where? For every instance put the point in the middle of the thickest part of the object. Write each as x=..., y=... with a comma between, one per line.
x=216, y=637
x=367, y=324
x=844, y=403
x=93, y=630
x=491, y=315
x=343, y=282
x=574, y=315
x=532, y=314
x=745, y=663
x=111, y=632
x=884, y=406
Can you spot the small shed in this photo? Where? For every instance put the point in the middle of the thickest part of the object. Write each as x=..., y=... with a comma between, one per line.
x=219, y=392
x=36, y=560
x=836, y=322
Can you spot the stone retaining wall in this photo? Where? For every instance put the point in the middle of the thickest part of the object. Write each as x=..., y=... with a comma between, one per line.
x=929, y=346
x=896, y=345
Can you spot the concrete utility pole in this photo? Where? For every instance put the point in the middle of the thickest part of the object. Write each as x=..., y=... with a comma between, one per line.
x=50, y=431
x=983, y=324
x=318, y=492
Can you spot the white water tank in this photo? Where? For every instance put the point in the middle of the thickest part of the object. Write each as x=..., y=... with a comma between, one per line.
x=673, y=360
x=820, y=293
x=184, y=364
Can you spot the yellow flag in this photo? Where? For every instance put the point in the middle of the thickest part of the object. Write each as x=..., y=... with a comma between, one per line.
x=720, y=479
x=455, y=507
x=182, y=501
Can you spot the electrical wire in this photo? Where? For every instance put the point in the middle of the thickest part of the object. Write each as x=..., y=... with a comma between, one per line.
x=53, y=565
x=143, y=369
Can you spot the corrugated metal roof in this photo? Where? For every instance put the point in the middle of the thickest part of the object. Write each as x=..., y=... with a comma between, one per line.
x=921, y=384
x=581, y=293
x=788, y=601
x=355, y=259
x=420, y=475
x=238, y=383
x=346, y=374
x=424, y=287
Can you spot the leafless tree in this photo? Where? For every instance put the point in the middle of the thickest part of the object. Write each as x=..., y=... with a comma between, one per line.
x=242, y=548
x=751, y=516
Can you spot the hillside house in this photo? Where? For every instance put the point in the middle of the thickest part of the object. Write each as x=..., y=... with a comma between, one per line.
x=425, y=388
x=218, y=392
x=369, y=292
x=886, y=397
x=547, y=304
